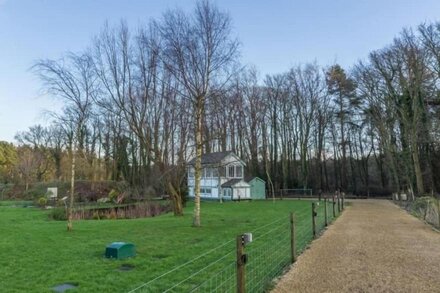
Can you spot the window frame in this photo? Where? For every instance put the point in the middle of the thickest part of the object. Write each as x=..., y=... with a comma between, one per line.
x=204, y=189
x=227, y=192
x=231, y=167
x=191, y=172
x=235, y=167
x=241, y=171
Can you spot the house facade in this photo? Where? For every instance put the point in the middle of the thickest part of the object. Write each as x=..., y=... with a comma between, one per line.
x=222, y=177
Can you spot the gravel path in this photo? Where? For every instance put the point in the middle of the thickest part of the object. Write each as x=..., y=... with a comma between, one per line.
x=373, y=247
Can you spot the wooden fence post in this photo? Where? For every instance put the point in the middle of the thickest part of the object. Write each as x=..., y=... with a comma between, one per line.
x=334, y=206
x=339, y=204
x=438, y=209
x=325, y=211
x=241, y=272
x=314, y=219
x=292, y=237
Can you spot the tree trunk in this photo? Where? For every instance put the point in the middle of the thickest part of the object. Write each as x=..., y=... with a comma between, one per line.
x=343, y=166
x=417, y=169
x=198, y=163
x=177, y=200
x=72, y=189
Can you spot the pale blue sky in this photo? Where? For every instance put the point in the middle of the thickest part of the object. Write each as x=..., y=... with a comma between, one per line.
x=274, y=34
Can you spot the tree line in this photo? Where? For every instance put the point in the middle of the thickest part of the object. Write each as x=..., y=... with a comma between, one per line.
x=138, y=104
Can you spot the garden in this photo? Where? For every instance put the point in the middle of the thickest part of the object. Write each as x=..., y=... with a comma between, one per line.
x=37, y=253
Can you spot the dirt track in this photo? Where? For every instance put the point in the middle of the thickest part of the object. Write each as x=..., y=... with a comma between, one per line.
x=373, y=247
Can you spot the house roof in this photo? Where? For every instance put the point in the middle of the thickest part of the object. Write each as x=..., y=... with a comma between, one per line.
x=212, y=158
x=231, y=182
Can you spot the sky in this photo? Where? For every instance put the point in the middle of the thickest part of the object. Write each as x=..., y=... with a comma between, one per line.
x=275, y=35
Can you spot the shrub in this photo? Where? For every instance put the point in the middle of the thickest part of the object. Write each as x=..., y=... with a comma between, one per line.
x=42, y=201
x=113, y=215
x=95, y=215
x=113, y=195
x=426, y=208
x=58, y=214
x=103, y=200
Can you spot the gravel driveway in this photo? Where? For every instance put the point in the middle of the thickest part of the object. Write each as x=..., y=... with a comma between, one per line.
x=373, y=247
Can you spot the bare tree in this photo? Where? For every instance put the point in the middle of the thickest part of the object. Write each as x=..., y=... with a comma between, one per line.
x=28, y=162
x=198, y=51
x=307, y=89
x=72, y=80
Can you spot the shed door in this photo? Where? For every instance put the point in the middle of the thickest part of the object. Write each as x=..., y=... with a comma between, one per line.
x=240, y=193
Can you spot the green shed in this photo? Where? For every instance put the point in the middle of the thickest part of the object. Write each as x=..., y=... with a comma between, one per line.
x=258, y=187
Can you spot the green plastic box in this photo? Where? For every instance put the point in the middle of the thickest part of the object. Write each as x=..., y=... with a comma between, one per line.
x=120, y=250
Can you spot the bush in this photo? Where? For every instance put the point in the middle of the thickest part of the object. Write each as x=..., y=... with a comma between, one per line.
x=85, y=191
x=425, y=208
x=95, y=215
x=58, y=214
x=103, y=200
x=113, y=195
x=421, y=206
x=42, y=201
x=113, y=215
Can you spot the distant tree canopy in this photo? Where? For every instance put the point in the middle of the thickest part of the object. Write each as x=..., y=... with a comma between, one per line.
x=371, y=129
x=8, y=160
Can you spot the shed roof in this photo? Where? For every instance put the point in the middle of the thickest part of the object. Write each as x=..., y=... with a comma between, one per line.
x=250, y=178
x=231, y=182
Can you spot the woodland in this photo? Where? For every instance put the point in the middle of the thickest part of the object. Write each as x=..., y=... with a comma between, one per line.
x=139, y=104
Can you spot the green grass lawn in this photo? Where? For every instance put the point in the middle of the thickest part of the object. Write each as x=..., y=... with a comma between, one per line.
x=37, y=253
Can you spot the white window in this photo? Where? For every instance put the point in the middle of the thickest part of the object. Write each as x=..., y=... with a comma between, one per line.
x=209, y=173
x=227, y=192
x=239, y=171
x=231, y=171
x=205, y=190
x=235, y=171
x=191, y=172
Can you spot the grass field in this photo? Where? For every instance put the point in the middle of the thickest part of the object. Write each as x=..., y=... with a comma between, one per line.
x=37, y=253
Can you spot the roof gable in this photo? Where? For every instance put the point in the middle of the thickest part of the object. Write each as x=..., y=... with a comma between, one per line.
x=216, y=158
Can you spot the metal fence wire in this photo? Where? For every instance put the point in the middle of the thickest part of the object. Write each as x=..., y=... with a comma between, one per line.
x=267, y=257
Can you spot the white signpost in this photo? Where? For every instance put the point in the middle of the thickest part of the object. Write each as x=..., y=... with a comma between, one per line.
x=52, y=192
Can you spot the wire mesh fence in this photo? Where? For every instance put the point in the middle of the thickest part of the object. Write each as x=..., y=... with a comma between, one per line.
x=268, y=255
x=295, y=193
x=426, y=208
x=273, y=248
x=212, y=271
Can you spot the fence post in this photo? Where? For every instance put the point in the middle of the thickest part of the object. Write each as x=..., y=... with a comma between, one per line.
x=339, y=204
x=438, y=209
x=343, y=199
x=313, y=219
x=241, y=261
x=292, y=237
x=325, y=211
x=334, y=206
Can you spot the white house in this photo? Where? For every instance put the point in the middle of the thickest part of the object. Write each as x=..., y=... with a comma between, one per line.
x=222, y=176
